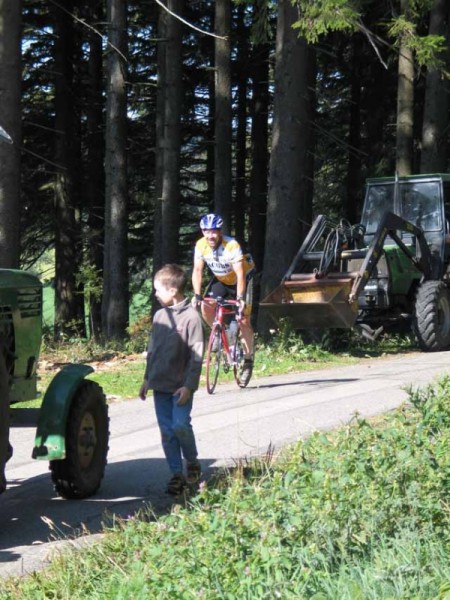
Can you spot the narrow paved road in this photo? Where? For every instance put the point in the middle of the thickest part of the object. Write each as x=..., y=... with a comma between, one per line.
x=230, y=424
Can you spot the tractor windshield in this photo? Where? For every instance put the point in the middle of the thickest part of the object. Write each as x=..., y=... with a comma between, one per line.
x=417, y=202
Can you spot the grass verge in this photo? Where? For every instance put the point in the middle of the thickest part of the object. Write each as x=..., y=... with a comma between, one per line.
x=359, y=513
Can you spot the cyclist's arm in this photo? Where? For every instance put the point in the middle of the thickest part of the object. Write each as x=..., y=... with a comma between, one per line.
x=197, y=273
x=238, y=268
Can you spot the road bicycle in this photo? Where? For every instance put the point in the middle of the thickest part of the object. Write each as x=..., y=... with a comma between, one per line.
x=225, y=347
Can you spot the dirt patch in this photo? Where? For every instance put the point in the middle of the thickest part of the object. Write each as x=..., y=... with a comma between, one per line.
x=107, y=362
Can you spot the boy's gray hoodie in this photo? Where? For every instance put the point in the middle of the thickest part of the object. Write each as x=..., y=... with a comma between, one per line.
x=175, y=349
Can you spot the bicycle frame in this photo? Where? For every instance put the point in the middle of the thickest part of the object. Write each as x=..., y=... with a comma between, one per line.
x=219, y=328
x=222, y=311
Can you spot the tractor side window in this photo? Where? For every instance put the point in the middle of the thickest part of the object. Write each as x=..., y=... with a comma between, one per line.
x=420, y=205
x=447, y=204
x=379, y=199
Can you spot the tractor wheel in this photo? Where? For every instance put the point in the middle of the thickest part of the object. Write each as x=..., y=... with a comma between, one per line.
x=87, y=432
x=431, y=322
x=4, y=420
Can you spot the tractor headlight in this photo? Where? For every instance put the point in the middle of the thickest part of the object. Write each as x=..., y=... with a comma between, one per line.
x=371, y=292
x=376, y=292
x=383, y=285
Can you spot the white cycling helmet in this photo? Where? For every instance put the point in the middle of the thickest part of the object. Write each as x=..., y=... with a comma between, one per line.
x=211, y=221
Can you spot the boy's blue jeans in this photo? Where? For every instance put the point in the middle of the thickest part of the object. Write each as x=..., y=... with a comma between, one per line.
x=177, y=435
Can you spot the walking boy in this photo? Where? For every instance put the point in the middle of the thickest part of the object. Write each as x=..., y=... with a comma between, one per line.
x=174, y=363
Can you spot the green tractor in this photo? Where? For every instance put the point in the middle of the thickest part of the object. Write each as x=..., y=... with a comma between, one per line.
x=73, y=426
x=391, y=272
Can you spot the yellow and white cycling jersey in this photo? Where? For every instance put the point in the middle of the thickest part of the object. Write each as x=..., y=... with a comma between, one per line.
x=221, y=260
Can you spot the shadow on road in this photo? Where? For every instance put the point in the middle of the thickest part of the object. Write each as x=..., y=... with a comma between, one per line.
x=31, y=513
x=308, y=382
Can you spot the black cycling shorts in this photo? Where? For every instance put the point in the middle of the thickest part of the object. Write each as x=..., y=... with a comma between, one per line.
x=217, y=289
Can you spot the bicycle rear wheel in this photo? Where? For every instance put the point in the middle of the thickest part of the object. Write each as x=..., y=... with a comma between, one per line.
x=213, y=358
x=238, y=358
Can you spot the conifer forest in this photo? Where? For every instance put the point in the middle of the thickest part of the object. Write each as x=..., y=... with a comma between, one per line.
x=130, y=119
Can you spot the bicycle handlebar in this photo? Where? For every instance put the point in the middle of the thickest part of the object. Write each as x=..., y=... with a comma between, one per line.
x=226, y=303
x=221, y=301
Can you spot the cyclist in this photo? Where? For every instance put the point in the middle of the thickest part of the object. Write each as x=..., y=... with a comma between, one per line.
x=232, y=271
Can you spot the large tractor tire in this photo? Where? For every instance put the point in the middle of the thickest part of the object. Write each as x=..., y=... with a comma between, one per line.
x=4, y=419
x=87, y=433
x=431, y=321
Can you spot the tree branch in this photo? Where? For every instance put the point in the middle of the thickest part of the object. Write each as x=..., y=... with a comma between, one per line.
x=162, y=5
x=370, y=37
x=89, y=27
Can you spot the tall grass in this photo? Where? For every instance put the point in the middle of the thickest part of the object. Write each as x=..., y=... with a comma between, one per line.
x=362, y=512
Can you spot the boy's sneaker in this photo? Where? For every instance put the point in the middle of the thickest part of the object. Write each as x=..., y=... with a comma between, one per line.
x=246, y=372
x=176, y=485
x=194, y=472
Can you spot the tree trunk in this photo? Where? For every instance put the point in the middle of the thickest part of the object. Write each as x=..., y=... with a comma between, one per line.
x=405, y=104
x=354, y=158
x=222, y=122
x=259, y=75
x=115, y=303
x=376, y=107
x=210, y=143
x=436, y=110
x=159, y=161
x=259, y=151
x=76, y=167
x=173, y=86
x=311, y=112
x=240, y=202
x=10, y=120
x=288, y=200
x=95, y=175
x=67, y=242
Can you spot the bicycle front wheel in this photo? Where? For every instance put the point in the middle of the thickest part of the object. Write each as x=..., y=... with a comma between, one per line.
x=238, y=358
x=214, y=355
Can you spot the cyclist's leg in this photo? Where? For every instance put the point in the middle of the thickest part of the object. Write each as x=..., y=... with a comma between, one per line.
x=246, y=368
x=208, y=308
x=208, y=312
x=246, y=327
x=247, y=336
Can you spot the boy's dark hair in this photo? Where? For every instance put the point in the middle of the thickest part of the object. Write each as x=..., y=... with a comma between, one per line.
x=172, y=276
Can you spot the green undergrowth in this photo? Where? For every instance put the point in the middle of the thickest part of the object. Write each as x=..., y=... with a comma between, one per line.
x=120, y=371
x=359, y=513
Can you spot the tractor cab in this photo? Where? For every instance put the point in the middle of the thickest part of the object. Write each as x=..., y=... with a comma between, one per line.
x=423, y=200
x=417, y=201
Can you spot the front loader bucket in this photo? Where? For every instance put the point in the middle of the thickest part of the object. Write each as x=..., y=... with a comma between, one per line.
x=313, y=303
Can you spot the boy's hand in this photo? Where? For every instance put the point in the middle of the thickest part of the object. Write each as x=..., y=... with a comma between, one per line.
x=184, y=395
x=143, y=391
x=196, y=300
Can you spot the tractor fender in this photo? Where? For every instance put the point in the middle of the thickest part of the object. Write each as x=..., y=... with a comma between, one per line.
x=50, y=440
